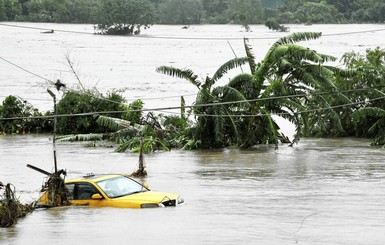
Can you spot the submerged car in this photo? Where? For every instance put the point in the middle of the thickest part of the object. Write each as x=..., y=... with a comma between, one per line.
x=115, y=191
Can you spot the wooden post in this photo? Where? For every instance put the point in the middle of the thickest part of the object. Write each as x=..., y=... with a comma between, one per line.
x=54, y=128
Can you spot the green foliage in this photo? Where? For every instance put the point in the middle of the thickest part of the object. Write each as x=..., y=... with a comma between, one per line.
x=13, y=107
x=75, y=11
x=134, y=112
x=80, y=137
x=287, y=70
x=272, y=24
x=245, y=12
x=213, y=122
x=215, y=11
x=85, y=102
x=272, y=3
x=129, y=136
x=373, y=120
x=311, y=12
x=9, y=10
x=123, y=16
x=366, y=90
x=180, y=12
x=39, y=11
x=332, y=11
x=120, y=17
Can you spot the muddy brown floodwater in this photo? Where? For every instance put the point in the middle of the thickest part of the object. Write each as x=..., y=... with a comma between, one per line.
x=322, y=191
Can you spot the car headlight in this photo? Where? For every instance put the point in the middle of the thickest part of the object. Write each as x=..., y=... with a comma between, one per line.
x=149, y=205
x=180, y=200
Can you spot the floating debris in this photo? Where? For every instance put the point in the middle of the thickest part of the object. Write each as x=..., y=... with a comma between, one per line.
x=11, y=210
x=55, y=192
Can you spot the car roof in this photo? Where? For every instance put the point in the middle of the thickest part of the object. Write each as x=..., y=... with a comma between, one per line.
x=94, y=178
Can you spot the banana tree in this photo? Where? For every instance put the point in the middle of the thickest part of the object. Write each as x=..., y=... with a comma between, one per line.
x=298, y=80
x=215, y=126
x=286, y=82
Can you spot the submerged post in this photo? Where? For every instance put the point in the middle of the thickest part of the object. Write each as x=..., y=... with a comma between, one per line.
x=141, y=172
x=54, y=128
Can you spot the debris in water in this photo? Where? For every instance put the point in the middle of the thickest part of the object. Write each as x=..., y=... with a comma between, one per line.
x=11, y=210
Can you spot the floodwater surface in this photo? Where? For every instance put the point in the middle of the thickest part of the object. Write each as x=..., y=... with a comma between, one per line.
x=321, y=191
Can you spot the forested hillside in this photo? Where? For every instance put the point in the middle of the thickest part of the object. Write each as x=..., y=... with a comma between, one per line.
x=197, y=11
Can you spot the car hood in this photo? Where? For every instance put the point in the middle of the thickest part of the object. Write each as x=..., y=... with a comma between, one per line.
x=148, y=197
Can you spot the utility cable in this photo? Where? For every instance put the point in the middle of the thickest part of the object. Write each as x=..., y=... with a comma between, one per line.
x=191, y=38
x=222, y=103
x=112, y=101
x=190, y=106
x=44, y=29
x=32, y=73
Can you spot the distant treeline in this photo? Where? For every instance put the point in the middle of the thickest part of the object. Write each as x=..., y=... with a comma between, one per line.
x=188, y=12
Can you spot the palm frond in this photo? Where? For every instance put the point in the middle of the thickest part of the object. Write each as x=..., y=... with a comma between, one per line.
x=298, y=53
x=291, y=105
x=272, y=127
x=80, y=137
x=113, y=123
x=229, y=94
x=245, y=82
x=297, y=37
x=346, y=73
x=122, y=135
x=239, y=80
x=180, y=73
x=313, y=76
x=219, y=122
x=128, y=144
x=231, y=64
x=332, y=116
x=363, y=113
x=249, y=55
x=377, y=93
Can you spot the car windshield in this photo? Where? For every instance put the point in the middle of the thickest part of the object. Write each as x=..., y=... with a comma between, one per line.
x=120, y=186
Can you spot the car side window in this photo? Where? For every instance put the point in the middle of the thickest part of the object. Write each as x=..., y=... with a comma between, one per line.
x=83, y=191
x=71, y=188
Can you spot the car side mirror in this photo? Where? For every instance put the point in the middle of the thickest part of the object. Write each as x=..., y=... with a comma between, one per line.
x=96, y=196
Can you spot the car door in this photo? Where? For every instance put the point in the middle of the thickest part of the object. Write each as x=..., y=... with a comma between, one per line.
x=81, y=194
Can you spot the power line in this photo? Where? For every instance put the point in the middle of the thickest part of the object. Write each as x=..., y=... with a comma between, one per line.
x=112, y=101
x=190, y=38
x=178, y=107
x=44, y=29
x=223, y=103
x=163, y=109
x=192, y=106
x=32, y=73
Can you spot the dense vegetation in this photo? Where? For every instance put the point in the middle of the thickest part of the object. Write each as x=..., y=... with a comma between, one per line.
x=291, y=81
x=132, y=14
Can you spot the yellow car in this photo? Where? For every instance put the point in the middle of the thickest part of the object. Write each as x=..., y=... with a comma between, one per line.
x=115, y=191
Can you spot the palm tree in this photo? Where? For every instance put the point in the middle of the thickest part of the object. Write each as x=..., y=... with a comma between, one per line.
x=281, y=84
x=215, y=126
x=298, y=77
